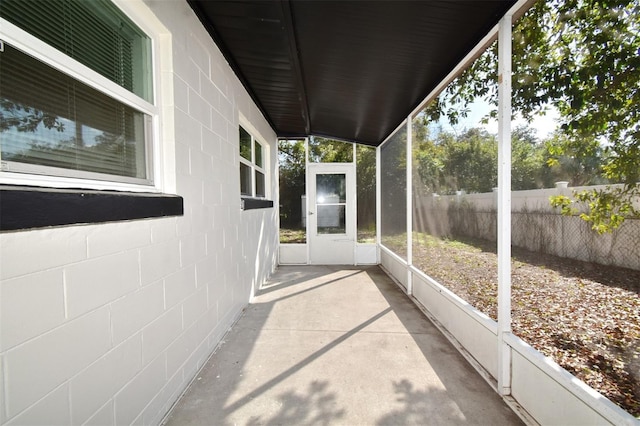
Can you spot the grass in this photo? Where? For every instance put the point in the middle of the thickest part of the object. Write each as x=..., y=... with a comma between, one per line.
x=299, y=236
x=293, y=235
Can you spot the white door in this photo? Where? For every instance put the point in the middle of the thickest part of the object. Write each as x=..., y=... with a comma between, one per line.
x=331, y=215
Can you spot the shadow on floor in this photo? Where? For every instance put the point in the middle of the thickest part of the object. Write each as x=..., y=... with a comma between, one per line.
x=336, y=345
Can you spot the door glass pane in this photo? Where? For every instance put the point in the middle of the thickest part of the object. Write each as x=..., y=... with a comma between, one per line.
x=331, y=219
x=331, y=188
x=331, y=198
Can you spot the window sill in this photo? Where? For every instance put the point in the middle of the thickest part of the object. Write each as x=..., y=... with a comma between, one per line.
x=23, y=207
x=255, y=203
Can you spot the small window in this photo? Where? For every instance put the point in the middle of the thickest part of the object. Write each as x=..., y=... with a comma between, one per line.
x=252, y=173
x=76, y=95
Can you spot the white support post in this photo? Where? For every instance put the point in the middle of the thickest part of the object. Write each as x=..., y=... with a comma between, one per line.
x=409, y=192
x=378, y=205
x=355, y=204
x=307, y=181
x=504, y=203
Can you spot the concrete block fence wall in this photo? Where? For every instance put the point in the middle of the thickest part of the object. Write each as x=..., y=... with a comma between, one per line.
x=536, y=225
x=108, y=323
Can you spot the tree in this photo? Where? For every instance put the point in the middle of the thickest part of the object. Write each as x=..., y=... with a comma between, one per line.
x=429, y=164
x=366, y=186
x=291, y=158
x=448, y=163
x=451, y=163
x=470, y=161
x=578, y=164
x=581, y=58
x=527, y=159
x=393, y=184
x=323, y=150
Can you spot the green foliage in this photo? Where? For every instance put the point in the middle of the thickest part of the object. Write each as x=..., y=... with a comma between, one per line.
x=323, y=150
x=604, y=209
x=393, y=183
x=581, y=57
x=429, y=163
x=366, y=187
x=527, y=157
x=366, y=168
x=448, y=163
x=579, y=162
x=470, y=161
x=291, y=159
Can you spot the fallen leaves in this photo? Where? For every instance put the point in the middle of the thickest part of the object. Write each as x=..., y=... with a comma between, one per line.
x=586, y=317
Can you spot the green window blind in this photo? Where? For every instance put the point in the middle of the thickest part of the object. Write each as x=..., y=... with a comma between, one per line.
x=95, y=33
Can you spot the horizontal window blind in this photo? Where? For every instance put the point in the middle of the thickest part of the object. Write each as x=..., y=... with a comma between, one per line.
x=95, y=33
x=49, y=119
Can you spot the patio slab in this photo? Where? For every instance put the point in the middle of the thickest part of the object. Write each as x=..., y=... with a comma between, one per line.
x=337, y=345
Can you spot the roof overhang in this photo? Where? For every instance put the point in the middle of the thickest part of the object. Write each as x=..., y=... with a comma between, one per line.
x=350, y=70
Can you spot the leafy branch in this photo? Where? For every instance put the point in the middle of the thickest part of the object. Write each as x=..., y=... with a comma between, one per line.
x=606, y=208
x=581, y=58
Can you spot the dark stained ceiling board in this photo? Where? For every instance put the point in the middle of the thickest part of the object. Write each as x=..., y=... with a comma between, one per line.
x=351, y=70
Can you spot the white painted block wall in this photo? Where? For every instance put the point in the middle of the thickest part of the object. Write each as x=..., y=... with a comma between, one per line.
x=108, y=323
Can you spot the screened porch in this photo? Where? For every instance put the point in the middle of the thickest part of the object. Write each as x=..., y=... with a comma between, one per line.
x=440, y=156
x=335, y=212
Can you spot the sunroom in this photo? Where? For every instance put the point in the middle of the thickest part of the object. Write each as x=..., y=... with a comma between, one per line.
x=162, y=159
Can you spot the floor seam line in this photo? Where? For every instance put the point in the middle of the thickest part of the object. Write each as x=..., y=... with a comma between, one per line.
x=346, y=331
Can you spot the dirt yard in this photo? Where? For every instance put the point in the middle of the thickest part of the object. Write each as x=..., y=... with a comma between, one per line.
x=585, y=316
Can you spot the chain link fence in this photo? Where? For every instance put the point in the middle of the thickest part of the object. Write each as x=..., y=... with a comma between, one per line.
x=537, y=230
x=572, y=237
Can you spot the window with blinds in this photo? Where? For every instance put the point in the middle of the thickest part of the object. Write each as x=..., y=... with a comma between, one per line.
x=50, y=122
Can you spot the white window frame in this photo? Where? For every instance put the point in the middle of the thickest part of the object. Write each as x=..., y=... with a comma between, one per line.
x=43, y=52
x=252, y=164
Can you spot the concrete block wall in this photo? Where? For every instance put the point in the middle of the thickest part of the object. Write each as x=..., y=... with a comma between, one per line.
x=108, y=323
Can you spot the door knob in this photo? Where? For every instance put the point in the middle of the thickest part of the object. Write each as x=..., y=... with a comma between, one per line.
x=310, y=213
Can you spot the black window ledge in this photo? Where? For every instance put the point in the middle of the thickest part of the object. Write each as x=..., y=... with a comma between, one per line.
x=23, y=207
x=249, y=203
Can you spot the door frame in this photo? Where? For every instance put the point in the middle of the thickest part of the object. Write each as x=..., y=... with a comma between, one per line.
x=343, y=246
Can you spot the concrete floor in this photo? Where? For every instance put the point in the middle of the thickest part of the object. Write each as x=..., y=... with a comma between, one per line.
x=337, y=345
